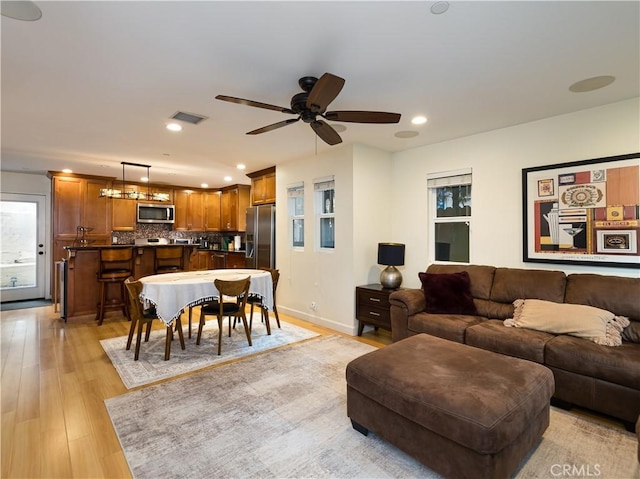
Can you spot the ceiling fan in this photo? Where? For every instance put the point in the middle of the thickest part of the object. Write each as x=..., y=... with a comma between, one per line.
x=312, y=103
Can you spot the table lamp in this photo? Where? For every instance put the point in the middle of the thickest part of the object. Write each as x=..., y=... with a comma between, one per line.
x=391, y=255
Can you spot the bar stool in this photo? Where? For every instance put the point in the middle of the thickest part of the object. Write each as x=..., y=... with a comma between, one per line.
x=168, y=259
x=116, y=265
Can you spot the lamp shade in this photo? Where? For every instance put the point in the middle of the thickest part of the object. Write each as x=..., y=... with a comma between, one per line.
x=391, y=254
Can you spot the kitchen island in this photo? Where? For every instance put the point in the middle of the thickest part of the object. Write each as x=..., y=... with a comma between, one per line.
x=81, y=289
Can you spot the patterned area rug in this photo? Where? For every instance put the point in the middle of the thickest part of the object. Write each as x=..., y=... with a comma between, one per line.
x=283, y=414
x=152, y=367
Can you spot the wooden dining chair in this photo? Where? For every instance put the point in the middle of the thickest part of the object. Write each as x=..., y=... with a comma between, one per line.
x=256, y=301
x=141, y=318
x=227, y=289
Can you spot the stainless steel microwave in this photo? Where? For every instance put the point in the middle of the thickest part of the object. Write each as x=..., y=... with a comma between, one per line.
x=150, y=213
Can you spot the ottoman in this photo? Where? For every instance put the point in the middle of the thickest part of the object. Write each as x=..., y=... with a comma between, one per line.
x=462, y=411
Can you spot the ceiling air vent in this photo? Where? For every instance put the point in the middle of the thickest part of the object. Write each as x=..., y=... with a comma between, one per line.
x=188, y=117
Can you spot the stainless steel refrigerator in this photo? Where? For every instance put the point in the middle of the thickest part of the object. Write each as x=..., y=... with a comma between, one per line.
x=260, y=243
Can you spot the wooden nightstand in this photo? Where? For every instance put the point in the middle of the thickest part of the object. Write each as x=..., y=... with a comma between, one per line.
x=372, y=306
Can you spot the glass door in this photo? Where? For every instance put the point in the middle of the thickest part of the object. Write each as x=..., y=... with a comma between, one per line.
x=22, y=254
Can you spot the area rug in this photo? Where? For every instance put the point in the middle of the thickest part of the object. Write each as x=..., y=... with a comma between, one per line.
x=151, y=366
x=282, y=414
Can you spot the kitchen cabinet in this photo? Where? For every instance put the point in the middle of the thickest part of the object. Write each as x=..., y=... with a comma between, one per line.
x=236, y=260
x=124, y=214
x=234, y=202
x=77, y=202
x=212, y=202
x=189, y=210
x=263, y=186
x=211, y=259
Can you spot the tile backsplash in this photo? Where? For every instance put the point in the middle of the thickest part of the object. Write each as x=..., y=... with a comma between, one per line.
x=160, y=230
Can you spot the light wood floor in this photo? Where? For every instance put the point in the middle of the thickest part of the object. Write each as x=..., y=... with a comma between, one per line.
x=55, y=378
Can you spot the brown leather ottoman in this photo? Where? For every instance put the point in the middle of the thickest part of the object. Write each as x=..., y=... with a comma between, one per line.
x=462, y=411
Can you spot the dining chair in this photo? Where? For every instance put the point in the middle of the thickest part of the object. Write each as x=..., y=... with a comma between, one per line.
x=115, y=266
x=256, y=300
x=239, y=290
x=141, y=318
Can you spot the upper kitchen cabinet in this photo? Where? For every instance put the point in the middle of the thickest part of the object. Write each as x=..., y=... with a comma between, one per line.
x=124, y=211
x=77, y=202
x=263, y=186
x=189, y=210
x=234, y=203
x=212, y=201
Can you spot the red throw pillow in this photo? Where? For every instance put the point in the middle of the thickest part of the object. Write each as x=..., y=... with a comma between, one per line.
x=448, y=293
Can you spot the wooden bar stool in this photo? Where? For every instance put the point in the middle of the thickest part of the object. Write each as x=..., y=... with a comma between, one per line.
x=169, y=259
x=116, y=265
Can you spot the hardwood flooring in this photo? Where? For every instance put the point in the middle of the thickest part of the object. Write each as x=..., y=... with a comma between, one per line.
x=55, y=378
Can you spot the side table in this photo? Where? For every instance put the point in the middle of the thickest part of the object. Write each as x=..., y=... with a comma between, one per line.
x=372, y=306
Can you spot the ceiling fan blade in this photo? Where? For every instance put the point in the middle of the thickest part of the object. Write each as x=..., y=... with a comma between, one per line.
x=326, y=132
x=257, y=104
x=363, y=116
x=324, y=92
x=275, y=126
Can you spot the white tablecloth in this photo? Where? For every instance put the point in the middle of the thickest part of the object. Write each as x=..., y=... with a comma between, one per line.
x=172, y=293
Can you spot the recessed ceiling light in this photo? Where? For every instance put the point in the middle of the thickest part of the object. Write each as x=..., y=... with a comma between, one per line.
x=204, y=185
x=21, y=10
x=144, y=179
x=67, y=170
x=241, y=166
x=339, y=128
x=227, y=178
x=419, y=120
x=406, y=134
x=439, y=7
x=174, y=127
x=591, y=84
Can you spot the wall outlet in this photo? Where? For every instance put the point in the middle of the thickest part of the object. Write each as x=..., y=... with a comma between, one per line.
x=314, y=305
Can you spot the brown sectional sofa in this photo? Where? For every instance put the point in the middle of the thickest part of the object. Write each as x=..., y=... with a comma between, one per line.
x=605, y=379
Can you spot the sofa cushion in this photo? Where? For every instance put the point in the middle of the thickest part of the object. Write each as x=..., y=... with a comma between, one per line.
x=510, y=284
x=613, y=293
x=447, y=293
x=446, y=326
x=582, y=321
x=616, y=365
x=494, y=336
x=632, y=332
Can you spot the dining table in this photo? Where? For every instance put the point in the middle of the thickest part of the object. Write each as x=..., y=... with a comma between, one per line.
x=173, y=293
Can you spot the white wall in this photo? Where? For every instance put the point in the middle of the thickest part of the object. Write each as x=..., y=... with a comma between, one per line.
x=33, y=184
x=371, y=211
x=497, y=159
x=328, y=278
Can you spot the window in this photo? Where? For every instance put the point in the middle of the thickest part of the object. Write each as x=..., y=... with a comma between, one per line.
x=450, y=215
x=325, y=209
x=295, y=195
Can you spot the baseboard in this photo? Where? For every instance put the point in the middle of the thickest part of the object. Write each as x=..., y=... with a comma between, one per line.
x=320, y=321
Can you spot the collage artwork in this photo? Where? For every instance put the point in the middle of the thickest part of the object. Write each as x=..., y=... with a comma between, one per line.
x=586, y=212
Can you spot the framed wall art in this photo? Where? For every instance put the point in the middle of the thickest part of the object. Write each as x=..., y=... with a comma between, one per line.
x=585, y=212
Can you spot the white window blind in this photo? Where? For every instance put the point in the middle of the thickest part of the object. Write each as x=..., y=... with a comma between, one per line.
x=323, y=184
x=449, y=178
x=296, y=190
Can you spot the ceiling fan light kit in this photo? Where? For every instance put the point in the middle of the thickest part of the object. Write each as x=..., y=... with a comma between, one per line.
x=312, y=103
